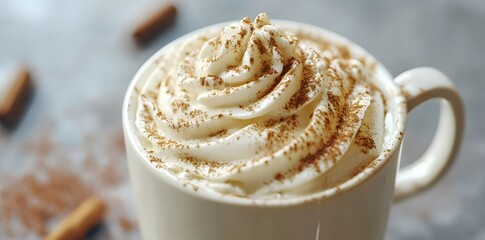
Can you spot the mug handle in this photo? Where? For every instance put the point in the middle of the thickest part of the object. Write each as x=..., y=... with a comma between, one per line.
x=419, y=85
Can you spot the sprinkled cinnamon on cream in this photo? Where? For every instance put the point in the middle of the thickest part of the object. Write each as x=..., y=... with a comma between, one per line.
x=258, y=111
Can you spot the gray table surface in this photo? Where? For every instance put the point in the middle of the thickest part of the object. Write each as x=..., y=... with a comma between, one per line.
x=82, y=58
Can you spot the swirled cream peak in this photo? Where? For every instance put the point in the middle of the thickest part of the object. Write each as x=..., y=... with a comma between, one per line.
x=250, y=70
x=256, y=110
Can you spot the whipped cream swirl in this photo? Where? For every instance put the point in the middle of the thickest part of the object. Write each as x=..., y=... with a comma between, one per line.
x=258, y=111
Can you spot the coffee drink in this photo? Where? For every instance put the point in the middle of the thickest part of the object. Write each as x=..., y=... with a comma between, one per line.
x=256, y=110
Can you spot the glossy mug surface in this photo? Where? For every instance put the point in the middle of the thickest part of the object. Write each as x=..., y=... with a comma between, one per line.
x=356, y=209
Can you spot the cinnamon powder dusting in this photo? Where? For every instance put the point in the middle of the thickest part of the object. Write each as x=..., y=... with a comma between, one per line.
x=32, y=203
x=365, y=143
x=299, y=84
x=36, y=199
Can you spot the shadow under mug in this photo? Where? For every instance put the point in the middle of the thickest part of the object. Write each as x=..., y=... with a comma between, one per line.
x=356, y=209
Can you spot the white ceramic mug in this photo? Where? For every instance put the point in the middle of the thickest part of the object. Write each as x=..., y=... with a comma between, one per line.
x=355, y=209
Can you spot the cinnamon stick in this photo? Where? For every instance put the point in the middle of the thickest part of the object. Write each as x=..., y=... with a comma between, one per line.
x=89, y=213
x=17, y=88
x=155, y=24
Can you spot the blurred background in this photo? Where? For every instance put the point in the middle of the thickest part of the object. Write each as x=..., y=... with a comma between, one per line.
x=82, y=56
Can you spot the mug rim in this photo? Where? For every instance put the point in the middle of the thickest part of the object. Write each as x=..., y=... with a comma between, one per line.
x=377, y=164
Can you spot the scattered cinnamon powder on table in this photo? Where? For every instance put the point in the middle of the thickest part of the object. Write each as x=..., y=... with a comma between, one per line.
x=39, y=197
x=57, y=180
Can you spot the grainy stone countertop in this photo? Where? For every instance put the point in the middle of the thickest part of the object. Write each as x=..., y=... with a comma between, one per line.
x=82, y=58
